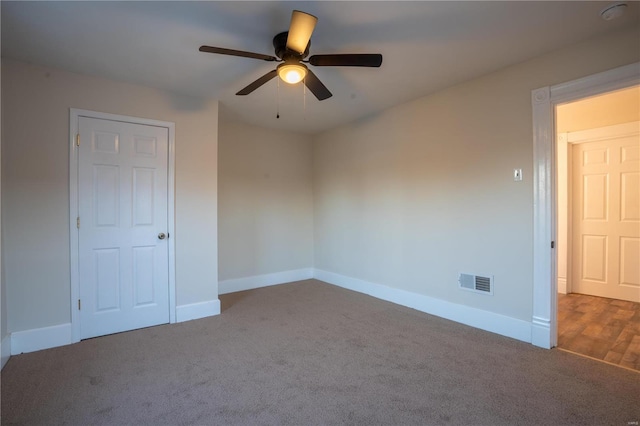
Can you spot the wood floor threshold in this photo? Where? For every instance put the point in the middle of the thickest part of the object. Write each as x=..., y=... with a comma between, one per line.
x=597, y=359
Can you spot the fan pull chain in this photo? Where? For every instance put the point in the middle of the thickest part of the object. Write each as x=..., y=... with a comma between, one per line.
x=304, y=98
x=278, y=100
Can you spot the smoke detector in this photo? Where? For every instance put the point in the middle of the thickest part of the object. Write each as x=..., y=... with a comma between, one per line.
x=613, y=11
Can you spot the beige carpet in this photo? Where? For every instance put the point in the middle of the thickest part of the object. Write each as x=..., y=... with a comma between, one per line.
x=310, y=353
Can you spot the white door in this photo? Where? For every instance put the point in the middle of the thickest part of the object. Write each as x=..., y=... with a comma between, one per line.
x=123, y=250
x=606, y=218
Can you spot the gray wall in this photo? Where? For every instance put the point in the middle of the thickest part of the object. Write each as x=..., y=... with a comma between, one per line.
x=265, y=204
x=35, y=185
x=412, y=196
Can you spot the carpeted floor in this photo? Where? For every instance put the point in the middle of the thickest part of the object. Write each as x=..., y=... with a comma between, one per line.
x=310, y=353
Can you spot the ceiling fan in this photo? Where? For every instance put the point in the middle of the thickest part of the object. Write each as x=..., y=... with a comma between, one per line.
x=291, y=48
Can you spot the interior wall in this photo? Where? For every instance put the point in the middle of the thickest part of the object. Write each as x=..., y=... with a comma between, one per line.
x=414, y=195
x=265, y=208
x=35, y=185
x=609, y=109
x=617, y=107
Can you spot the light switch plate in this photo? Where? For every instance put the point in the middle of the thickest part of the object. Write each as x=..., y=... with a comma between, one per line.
x=517, y=175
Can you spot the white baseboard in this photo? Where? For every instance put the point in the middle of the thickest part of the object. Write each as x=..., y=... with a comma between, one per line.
x=541, y=332
x=257, y=281
x=197, y=310
x=562, y=285
x=40, y=338
x=484, y=320
x=59, y=335
x=5, y=349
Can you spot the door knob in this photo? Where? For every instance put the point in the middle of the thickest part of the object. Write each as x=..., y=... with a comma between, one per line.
x=161, y=236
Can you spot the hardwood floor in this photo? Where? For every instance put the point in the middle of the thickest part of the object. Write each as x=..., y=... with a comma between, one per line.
x=606, y=329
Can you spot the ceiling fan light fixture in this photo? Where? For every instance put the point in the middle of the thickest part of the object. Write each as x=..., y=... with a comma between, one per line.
x=292, y=73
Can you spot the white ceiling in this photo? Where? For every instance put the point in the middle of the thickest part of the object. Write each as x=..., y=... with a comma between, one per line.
x=426, y=46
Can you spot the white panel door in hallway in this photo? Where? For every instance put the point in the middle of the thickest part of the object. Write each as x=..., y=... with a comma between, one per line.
x=122, y=236
x=606, y=218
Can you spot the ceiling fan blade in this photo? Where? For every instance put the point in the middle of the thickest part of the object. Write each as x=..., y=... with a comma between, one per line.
x=300, y=30
x=242, y=53
x=317, y=88
x=259, y=82
x=347, y=60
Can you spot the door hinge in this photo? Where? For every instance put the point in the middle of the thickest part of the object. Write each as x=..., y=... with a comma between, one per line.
x=553, y=244
x=78, y=304
x=77, y=139
x=78, y=222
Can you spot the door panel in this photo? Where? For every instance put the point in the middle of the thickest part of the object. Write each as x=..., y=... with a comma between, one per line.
x=122, y=192
x=629, y=259
x=143, y=193
x=595, y=196
x=107, y=279
x=629, y=190
x=106, y=182
x=594, y=258
x=143, y=275
x=606, y=218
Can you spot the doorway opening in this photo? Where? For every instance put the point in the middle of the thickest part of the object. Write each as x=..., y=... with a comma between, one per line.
x=544, y=100
x=598, y=226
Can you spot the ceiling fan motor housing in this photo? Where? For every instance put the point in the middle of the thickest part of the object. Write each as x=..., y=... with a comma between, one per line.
x=280, y=44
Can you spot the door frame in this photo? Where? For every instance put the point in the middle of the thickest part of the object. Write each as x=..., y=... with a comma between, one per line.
x=74, y=116
x=544, y=100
